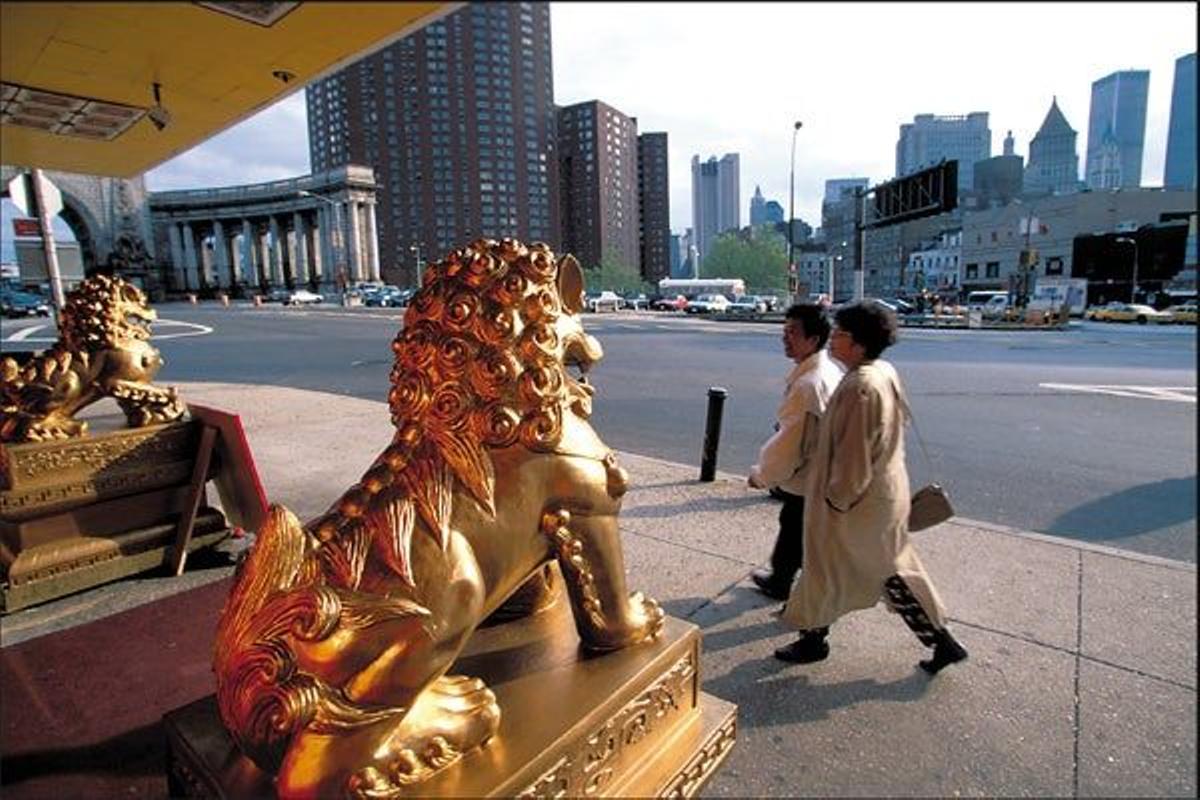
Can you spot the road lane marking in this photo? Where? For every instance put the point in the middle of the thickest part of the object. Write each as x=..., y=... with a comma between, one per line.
x=1175, y=394
x=24, y=335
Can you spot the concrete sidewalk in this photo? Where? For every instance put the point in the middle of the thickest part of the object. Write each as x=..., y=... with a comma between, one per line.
x=1081, y=680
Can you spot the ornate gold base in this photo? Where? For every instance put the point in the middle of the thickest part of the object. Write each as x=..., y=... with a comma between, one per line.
x=629, y=723
x=75, y=513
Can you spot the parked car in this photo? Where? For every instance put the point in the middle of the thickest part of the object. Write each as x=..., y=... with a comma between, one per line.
x=668, y=302
x=772, y=301
x=23, y=304
x=303, y=297
x=599, y=301
x=388, y=297
x=1099, y=313
x=747, y=304
x=278, y=296
x=1136, y=312
x=636, y=300
x=1183, y=314
x=708, y=304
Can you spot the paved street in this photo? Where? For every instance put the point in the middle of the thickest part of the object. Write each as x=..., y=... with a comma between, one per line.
x=1088, y=434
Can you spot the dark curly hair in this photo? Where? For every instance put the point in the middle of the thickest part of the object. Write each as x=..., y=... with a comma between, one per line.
x=814, y=319
x=871, y=325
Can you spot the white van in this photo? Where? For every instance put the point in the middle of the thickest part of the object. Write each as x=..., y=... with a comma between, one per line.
x=989, y=303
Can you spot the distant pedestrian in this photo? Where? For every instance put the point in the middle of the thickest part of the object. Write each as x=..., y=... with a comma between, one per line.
x=857, y=549
x=783, y=460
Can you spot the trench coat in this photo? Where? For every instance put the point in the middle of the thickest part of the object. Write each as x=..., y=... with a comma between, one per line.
x=856, y=517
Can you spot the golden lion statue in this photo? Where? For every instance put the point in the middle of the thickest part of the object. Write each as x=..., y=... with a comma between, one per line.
x=103, y=351
x=332, y=650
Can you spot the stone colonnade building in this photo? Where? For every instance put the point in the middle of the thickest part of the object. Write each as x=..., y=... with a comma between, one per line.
x=317, y=231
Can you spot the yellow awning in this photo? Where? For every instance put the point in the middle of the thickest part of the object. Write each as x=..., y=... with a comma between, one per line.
x=78, y=78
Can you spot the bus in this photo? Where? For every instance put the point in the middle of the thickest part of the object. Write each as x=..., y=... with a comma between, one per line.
x=690, y=287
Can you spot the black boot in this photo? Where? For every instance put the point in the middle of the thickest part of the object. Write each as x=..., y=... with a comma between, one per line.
x=809, y=648
x=946, y=651
x=770, y=584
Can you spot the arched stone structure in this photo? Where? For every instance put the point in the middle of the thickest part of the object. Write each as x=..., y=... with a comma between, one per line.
x=314, y=231
x=102, y=211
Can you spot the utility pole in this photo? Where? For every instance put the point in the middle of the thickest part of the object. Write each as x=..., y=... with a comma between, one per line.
x=792, y=215
x=860, y=239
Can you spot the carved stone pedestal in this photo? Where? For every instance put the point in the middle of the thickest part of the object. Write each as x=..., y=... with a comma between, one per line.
x=629, y=723
x=75, y=513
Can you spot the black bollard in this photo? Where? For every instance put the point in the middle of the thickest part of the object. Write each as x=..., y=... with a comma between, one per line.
x=712, y=433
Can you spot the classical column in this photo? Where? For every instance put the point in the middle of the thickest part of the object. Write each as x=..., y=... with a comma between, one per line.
x=249, y=269
x=223, y=272
x=277, y=245
x=325, y=250
x=176, y=253
x=355, y=236
x=300, y=266
x=191, y=266
x=372, y=243
x=263, y=249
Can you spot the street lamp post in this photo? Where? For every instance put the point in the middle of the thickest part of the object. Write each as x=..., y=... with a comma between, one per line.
x=1133, y=283
x=792, y=211
x=415, y=249
x=339, y=268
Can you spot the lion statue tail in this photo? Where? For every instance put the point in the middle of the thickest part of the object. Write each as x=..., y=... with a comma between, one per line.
x=278, y=599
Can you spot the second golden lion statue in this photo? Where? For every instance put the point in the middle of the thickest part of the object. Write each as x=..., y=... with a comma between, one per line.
x=333, y=648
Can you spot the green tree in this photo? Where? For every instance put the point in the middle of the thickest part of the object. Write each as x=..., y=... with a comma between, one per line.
x=759, y=258
x=614, y=275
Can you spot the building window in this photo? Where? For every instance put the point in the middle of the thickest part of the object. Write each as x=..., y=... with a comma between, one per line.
x=993, y=269
x=972, y=271
x=1054, y=265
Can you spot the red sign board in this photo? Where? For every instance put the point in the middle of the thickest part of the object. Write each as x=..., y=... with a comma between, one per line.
x=26, y=227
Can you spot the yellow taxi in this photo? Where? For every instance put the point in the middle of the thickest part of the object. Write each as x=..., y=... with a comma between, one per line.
x=1132, y=312
x=1183, y=314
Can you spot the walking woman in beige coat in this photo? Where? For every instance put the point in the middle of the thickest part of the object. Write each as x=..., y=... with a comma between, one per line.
x=856, y=545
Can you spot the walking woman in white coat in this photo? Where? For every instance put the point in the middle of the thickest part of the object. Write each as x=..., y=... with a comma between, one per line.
x=856, y=545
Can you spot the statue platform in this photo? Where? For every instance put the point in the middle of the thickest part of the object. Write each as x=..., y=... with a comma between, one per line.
x=629, y=723
x=83, y=511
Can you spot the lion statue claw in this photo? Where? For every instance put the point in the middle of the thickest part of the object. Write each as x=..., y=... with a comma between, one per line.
x=333, y=646
x=103, y=351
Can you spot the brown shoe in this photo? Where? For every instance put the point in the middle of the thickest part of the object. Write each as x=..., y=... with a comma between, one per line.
x=769, y=585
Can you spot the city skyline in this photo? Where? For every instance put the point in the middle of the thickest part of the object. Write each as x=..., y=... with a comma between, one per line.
x=600, y=55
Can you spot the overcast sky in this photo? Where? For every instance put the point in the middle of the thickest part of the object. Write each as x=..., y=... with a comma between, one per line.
x=732, y=78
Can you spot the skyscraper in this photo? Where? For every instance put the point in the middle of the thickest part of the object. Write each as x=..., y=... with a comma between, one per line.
x=715, y=199
x=654, y=206
x=1053, y=166
x=758, y=207
x=458, y=122
x=598, y=148
x=1180, y=168
x=929, y=139
x=1117, y=130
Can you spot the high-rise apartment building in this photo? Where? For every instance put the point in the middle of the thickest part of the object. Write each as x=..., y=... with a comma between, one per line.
x=1117, y=130
x=598, y=152
x=458, y=122
x=929, y=139
x=654, y=206
x=1053, y=166
x=836, y=187
x=716, y=204
x=1180, y=168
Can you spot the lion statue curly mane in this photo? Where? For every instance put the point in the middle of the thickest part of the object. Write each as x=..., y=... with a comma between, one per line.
x=333, y=647
x=103, y=351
